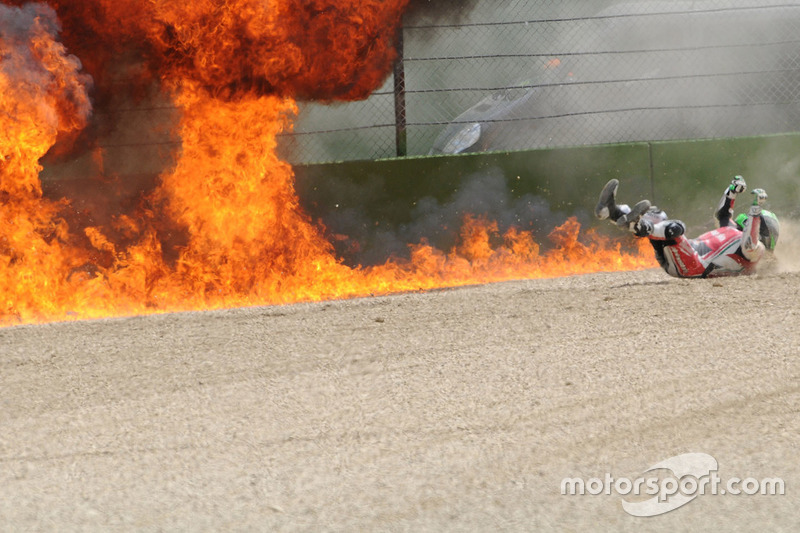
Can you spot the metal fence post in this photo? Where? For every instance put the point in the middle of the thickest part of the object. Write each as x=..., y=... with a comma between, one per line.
x=400, y=99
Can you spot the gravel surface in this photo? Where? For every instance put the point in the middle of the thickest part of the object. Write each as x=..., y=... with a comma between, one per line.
x=451, y=410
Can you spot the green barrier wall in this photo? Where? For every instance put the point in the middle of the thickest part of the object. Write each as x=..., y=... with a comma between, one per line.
x=688, y=177
x=685, y=178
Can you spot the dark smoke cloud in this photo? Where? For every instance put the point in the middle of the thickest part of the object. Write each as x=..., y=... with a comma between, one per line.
x=438, y=11
x=322, y=50
x=358, y=240
x=30, y=51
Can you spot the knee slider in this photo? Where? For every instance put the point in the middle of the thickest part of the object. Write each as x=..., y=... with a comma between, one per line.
x=674, y=228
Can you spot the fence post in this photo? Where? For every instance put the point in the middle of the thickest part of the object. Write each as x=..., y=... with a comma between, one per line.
x=400, y=98
x=652, y=172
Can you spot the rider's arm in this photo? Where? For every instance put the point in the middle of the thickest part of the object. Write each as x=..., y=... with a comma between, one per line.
x=752, y=248
x=724, y=213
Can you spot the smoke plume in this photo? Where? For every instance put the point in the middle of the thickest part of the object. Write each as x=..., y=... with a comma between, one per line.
x=438, y=11
x=484, y=194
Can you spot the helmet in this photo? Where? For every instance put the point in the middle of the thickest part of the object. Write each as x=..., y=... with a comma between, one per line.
x=770, y=228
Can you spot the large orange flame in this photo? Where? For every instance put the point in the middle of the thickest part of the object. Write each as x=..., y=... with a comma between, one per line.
x=233, y=69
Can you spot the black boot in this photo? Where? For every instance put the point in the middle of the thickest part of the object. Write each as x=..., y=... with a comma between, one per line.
x=607, y=204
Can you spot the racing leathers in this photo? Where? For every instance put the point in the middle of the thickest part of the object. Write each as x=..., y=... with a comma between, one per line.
x=727, y=250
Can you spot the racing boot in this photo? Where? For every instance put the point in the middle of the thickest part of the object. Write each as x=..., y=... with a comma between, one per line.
x=630, y=219
x=646, y=224
x=607, y=204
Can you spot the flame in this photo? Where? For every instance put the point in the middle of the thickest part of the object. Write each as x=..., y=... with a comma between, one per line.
x=234, y=71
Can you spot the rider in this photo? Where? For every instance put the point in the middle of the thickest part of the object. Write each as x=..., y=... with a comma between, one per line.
x=733, y=248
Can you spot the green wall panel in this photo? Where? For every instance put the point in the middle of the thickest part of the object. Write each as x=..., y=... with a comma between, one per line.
x=686, y=178
x=568, y=178
x=689, y=177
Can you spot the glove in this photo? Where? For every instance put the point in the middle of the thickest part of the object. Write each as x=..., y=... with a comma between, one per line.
x=755, y=210
x=737, y=185
x=760, y=196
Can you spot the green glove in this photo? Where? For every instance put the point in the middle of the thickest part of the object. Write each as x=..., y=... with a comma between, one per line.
x=760, y=196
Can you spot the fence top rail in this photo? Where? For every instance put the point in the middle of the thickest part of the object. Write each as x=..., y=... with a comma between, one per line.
x=602, y=17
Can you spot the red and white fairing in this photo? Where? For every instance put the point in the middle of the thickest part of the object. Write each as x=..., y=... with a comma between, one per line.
x=722, y=252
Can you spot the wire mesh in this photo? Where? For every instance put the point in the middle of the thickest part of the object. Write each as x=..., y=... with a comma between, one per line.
x=564, y=73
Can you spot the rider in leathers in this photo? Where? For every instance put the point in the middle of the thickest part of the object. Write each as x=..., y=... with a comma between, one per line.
x=730, y=249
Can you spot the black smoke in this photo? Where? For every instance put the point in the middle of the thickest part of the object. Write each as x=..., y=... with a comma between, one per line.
x=438, y=11
x=364, y=238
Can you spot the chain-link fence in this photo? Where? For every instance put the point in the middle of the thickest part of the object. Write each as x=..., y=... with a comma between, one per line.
x=561, y=73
